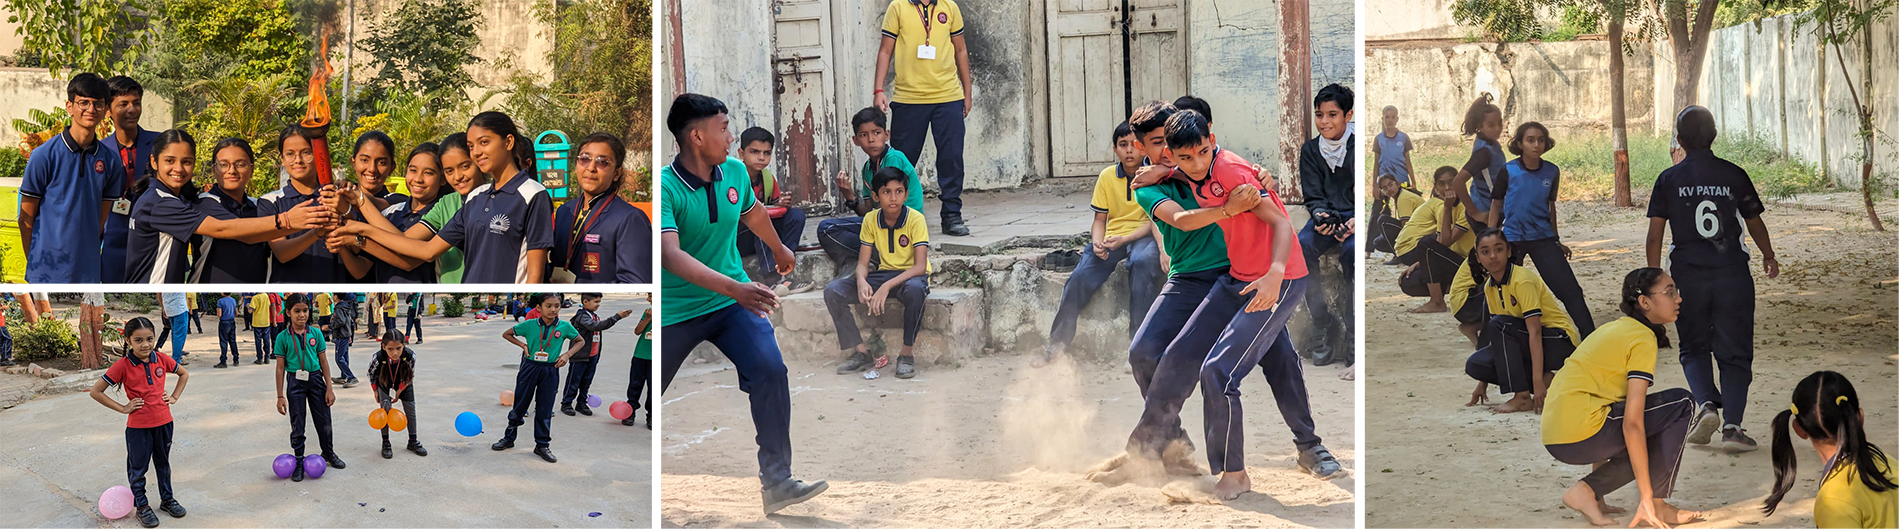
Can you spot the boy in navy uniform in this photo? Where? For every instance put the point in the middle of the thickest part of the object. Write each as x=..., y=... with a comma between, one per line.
x=227, y=330
x=580, y=373
x=706, y=295
x=74, y=183
x=1706, y=202
x=133, y=145
x=540, y=374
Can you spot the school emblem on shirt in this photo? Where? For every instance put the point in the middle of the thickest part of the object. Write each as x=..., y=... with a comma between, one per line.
x=903, y=240
x=313, y=342
x=98, y=166
x=590, y=262
x=1218, y=190
x=732, y=195
x=498, y=224
x=943, y=18
x=557, y=334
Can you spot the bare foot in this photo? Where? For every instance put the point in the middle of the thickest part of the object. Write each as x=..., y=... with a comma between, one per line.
x=1232, y=484
x=1178, y=459
x=1580, y=498
x=1518, y=403
x=1676, y=516
x=1430, y=307
x=1124, y=468
x=1348, y=373
x=1610, y=510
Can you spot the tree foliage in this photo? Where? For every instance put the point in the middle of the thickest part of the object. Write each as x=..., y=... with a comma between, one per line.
x=425, y=47
x=99, y=36
x=602, y=59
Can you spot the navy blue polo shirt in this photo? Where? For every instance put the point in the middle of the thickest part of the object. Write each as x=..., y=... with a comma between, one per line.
x=403, y=215
x=233, y=261
x=1705, y=198
x=112, y=257
x=316, y=264
x=498, y=225
x=613, y=245
x=1527, y=202
x=70, y=183
x=162, y=230
x=1488, y=180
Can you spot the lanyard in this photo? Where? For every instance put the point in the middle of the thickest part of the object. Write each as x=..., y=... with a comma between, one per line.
x=125, y=156
x=925, y=15
x=584, y=223
x=547, y=339
x=297, y=341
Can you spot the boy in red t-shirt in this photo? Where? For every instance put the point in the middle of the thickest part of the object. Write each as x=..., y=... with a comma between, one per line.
x=148, y=424
x=1242, y=322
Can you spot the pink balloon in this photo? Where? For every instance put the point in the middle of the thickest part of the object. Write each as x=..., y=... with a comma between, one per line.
x=620, y=410
x=116, y=502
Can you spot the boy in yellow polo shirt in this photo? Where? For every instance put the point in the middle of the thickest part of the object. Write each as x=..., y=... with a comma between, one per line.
x=1433, y=244
x=1121, y=231
x=923, y=45
x=324, y=303
x=896, y=241
x=261, y=332
x=1527, y=337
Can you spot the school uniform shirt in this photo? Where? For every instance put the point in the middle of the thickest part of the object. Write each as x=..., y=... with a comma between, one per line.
x=1392, y=151
x=1461, y=285
x=1846, y=502
x=1249, y=239
x=644, y=349
x=704, y=211
x=227, y=309
x=260, y=310
x=135, y=160
x=70, y=183
x=1486, y=167
x=1705, y=199
x=611, y=243
x=389, y=304
x=1188, y=251
x=895, y=243
x=323, y=301
x=545, y=341
x=316, y=264
x=913, y=197
x=233, y=261
x=1595, y=377
x=1527, y=206
x=498, y=225
x=914, y=23
x=1403, y=205
x=1114, y=198
x=591, y=327
x=1424, y=222
x=144, y=379
x=300, y=352
x=164, y=227
x=1522, y=294
x=403, y=215
x=276, y=308
x=448, y=266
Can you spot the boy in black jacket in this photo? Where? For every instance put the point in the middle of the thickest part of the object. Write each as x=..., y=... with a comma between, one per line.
x=580, y=370
x=1326, y=180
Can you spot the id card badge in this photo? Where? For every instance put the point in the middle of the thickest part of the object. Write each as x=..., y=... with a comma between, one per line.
x=122, y=206
x=561, y=275
x=927, y=52
x=300, y=375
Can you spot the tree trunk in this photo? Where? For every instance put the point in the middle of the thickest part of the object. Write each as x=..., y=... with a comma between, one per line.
x=1867, y=128
x=1296, y=96
x=1689, y=44
x=1619, y=131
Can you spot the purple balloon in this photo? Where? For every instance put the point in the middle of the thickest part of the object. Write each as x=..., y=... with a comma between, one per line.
x=284, y=465
x=593, y=401
x=313, y=466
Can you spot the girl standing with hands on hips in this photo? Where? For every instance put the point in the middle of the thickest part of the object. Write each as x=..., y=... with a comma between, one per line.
x=148, y=423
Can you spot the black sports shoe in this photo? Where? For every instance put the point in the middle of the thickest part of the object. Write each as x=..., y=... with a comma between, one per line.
x=906, y=367
x=507, y=441
x=582, y=408
x=416, y=447
x=567, y=409
x=296, y=470
x=954, y=227
x=546, y=454
x=172, y=508
x=387, y=454
x=627, y=422
x=857, y=362
x=1319, y=462
x=221, y=365
x=147, y=518
x=788, y=492
x=335, y=461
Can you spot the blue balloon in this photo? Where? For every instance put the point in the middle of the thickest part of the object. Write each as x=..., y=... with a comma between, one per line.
x=468, y=424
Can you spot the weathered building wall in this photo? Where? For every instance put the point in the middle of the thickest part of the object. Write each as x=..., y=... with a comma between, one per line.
x=1564, y=85
x=1234, y=52
x=1411, y=19
x=23, y=89
x=728, y=56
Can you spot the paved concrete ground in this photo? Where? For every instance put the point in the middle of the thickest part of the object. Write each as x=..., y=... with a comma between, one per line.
x=58, y=453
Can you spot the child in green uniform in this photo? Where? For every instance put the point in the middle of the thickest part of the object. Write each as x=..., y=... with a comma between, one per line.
x=539, y=379
x=638, y=378
x=305, y=386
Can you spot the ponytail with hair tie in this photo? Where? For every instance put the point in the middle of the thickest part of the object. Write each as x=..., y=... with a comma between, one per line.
x=1835, y=420
x=1636, y=285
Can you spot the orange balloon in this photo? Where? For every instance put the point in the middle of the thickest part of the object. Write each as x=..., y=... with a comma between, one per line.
x=378, y=418
x=507, y=398
x=397, y=420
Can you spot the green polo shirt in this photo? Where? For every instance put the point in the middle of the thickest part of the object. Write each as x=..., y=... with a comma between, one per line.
x=704, y=211
x=542, y=347
x=449, y=265
x=914, y=199
x=300, y=355
x=1195, y=251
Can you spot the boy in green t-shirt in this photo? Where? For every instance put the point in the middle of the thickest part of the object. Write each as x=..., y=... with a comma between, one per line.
x=539, y=379
x=839, y=235
x=893, y=260
x=638, y=377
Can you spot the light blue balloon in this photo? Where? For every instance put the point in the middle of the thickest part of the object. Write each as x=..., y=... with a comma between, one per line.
x=468, y=424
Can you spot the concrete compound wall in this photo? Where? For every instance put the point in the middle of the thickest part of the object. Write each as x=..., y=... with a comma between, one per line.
x=509, y=30
x=1564, y=85
x=24, y=89
x=1411, y=19
x=1234, y=56
x=1773, y=79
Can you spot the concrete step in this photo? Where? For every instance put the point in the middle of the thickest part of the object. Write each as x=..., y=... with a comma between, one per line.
x=954, y=327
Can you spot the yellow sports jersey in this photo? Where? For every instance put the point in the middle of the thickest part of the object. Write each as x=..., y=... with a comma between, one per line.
x=389, y=304
x=1522, y=294
x=1115, y=198
x=925, y=75
x=260, y=310
x=1846, y=502
x=896, y=245
x=1461, y=285
x=323, y=304
x=1407, y=202
x=1595, y=377
x=1424, y=222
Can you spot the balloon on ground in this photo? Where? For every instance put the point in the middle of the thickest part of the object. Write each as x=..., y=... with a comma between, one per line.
x=116, y=502
x=468, y=424
x=620, y=410
x=284, y=465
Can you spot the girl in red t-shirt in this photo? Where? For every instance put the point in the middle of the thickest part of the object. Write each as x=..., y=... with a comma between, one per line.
x=148, y=424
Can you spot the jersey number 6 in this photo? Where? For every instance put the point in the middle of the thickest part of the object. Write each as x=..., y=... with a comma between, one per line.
x=1706, y=223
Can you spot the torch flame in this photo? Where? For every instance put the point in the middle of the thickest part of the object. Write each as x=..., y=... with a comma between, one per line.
x=317, y=113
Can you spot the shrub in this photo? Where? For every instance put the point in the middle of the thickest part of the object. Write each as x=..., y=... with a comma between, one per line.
x=12, y=163
x=46, y=340
x=452, y=307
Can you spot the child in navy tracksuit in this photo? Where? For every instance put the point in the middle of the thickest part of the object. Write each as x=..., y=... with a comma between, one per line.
x=148, y=423
x=541, y=341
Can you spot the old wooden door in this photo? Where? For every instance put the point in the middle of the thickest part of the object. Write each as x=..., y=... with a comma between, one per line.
x=807, y=150
x=1105, y=58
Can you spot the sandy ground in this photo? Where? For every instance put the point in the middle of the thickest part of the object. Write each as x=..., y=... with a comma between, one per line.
x=57, y=453
x=991, y=444
x=1434, y=463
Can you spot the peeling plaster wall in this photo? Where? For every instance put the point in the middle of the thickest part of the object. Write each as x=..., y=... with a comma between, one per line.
x=1235, y=58
x=1564, y=85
